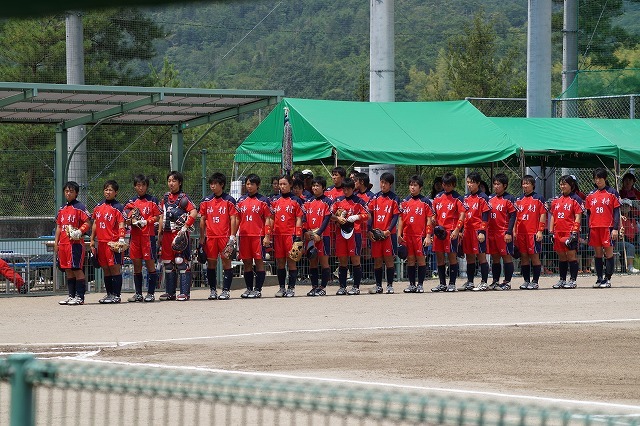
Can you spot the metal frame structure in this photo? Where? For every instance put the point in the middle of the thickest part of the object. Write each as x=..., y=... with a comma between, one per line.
x=67, y=106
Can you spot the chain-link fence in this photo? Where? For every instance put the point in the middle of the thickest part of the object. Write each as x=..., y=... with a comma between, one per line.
x=619, y=106
x=54, y=392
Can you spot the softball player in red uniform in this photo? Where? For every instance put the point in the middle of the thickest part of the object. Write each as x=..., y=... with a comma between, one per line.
x=564, y=225
x=284, y=226
x=72, y=221
x=253, y=211
x=384, y=210
x=108, y=226
x=603, y=209
x=449, y=211
x=502, y=219
x=218, y=227
x=531, y=220
x=317, y=213
x=415, y=226
x=474, y=238
x=142, y=231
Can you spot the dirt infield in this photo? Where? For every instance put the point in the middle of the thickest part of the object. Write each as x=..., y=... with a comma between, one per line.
x=547, y=345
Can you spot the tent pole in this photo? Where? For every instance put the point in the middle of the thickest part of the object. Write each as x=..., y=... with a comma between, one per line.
x=335, y=157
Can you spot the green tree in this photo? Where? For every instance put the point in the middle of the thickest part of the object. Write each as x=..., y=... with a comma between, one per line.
x=476, y=63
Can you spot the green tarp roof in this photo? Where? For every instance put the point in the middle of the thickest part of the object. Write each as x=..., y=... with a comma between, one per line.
x=410, y=133
x=574, y=142
x=437, y=133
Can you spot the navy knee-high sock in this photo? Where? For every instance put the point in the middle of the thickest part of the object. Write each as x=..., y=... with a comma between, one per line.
x=390, y=275
x=282, y=276
x=71, y=286
x=137, y=282
x=342, y=276
x=377, y=272
x=422, y=273
x=260, y=277
x=212, y=278
x=563, y=266
x=599, y=267
x=248, y=279
x=508, y=271
x=293, y=276
x=496, y=270
x=484, y=271
x=471, y=271
x=326, y=276
x=411, y=274
x=357, y=276
x=526, y=272
x=537, y=270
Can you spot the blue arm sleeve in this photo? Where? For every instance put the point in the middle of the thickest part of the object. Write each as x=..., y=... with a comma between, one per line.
x=394, y=222
x=616, y=218
x=485, y=216
x=512, y=222
x=324, y=224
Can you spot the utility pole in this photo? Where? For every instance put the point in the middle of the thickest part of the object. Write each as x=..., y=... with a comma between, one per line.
x=382, y=52
x=75, y=75
x=570, y=58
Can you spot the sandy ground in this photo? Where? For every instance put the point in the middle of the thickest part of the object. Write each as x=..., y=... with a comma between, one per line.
x=575, y=347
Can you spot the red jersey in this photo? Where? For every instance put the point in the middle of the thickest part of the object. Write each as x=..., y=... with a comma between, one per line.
x=334, y=192
x=564, y=209
x=600, y=205
x=384, y=207
x=285, y=209
x=217, y=212
x=529, y=210
x=415, y=211
x=352, y=205
x=315, y=211
x=253, y=210
x=477, y=205
x=447, y=207
x=107, y=217
x=73, y=213
x=148, y=206
x=501, y=209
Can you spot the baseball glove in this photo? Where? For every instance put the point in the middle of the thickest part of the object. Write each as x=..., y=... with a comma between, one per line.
x=440, y=232
x=403, y=252
x=201, y=255
x=179, y=243
x=180, y=222
x=118, y=246
x=295, y=253
x=572, y=241
x=134, y=214
x=72, y=232
x=341, y=212
x=229, y=251
x=378, y=234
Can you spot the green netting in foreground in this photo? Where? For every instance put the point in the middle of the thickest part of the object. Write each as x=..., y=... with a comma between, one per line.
x=101, y=393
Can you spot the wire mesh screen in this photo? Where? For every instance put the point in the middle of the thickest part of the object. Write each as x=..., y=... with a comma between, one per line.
x=88, y=393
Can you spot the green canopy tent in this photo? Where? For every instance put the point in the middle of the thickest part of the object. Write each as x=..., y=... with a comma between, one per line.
x=559, y=142
x=402, y=133
x=624, y=133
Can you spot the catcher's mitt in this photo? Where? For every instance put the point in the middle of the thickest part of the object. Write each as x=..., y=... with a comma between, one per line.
x=295, y=253
x=378, y=234
x=403, y=252
x=440, y=232
x=179, y=223
x=201, y=255
x=572, y=241
x=229, y=251
x=118, y=246
x=179, y=243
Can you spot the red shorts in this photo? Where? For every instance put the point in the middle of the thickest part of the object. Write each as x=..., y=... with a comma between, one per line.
x=496, y=244
x=281, y=245
x=445, y=246
x=140, y=247
x=527, y=243
x=559, y=242
x=386, y=247
x=350, y=247
x=470, y=243
x=415, y=245
x=250, y=247
x=214, y=246
x=323, y=246
x=167, y=252
x=600, y=237
x=107, y=257
x=71, y=256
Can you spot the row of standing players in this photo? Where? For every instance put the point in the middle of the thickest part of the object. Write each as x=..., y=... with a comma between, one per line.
x=348, y=215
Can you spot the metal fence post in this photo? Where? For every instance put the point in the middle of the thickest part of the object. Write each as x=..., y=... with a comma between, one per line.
x=22, y=401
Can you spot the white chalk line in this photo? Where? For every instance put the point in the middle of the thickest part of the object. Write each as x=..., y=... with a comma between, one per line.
x=324, y=330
